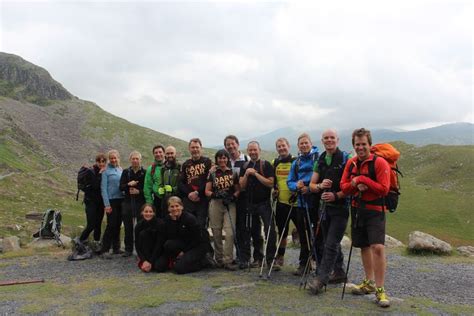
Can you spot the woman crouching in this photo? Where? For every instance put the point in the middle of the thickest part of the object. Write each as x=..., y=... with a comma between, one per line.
x=185, y=248
x=147, y=238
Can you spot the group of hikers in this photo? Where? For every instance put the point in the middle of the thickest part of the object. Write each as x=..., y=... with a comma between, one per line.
x=167, y=209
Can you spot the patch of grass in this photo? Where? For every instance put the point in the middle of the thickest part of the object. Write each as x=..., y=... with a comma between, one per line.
x=226, y=304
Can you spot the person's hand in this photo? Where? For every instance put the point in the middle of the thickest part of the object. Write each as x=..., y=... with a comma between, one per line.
x=326, y=184
x=146, y=266
x=328, y=196
x=133, y=183
x=362, y=187
x=250, y=172
x=108, y=209
x=134, y=191
x=194, y=196
x=168, y=188
x=299, y=185
x=275, y=193
x=213, y=169
x=180, y=255
x=354, y=182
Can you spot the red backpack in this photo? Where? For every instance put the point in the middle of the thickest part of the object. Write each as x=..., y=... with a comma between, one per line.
x=391, y=155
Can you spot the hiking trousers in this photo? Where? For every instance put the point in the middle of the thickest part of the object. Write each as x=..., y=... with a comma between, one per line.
x=218, y=220
x=304, y=234
x=282, y=211
x=146, y=245
x=94, y=216
x=190, y=261
x=130, y=211
x=333, y=226
x=111, y=236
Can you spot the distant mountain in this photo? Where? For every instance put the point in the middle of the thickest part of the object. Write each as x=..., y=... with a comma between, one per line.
x=448, y=134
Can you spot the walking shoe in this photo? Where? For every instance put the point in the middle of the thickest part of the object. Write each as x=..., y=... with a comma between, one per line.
x=280, y=260
x=381, y=297
x=127, y=254
x=337, y=277
x=230, y=267
x=105, y=255
x=256, y=264
x=208, y=261
x=299, y=271
x=276, y=266
x=316, y=286
x=243, y=265
x=366, y=287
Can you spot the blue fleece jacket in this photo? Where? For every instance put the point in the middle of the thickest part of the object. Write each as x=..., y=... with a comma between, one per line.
x=110, y=185
x=305, y=165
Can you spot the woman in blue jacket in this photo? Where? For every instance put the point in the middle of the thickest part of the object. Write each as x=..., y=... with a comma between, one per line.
x=112, y=197
x=298, y=182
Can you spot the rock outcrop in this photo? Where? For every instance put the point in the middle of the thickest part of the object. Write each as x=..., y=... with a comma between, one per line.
x=419, y=241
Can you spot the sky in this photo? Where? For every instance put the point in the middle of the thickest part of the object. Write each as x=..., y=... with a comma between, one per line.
x=208, y=69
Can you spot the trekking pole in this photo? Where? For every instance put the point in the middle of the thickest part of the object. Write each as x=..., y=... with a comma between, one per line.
x=350, y=251
x=280, y=241
x=235, y=234
x=268, y=238
x=309, y=238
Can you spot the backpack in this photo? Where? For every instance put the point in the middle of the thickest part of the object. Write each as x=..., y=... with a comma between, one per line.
x=85, y=177
x=391, y=155
x=50, y=226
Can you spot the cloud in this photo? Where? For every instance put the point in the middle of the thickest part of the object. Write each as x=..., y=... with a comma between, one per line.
x=208, y=69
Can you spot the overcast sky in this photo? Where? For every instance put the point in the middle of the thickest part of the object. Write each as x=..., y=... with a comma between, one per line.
x=208, y=69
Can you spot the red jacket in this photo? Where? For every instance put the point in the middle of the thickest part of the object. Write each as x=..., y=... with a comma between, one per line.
x=376, y=189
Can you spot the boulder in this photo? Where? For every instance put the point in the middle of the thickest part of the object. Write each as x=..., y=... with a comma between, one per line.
x=11, y=243
x=391, y=242
x=419, y=241
x=45, y=243
x=467, y=251
x=346, y=242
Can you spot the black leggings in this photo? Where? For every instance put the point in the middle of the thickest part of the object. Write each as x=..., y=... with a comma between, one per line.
x=112, y=230
x=94, y=217
x=190, y=261
x=282, y=211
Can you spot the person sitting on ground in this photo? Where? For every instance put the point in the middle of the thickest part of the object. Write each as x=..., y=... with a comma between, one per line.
x=94, y=206
x=335, y=207
x=223, y=189
x=131, y=183
x=147, y=241
x=368, y=212
x=184, y=249
x=112, y=197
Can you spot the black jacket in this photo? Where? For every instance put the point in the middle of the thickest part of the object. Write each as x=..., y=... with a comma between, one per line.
x=185, y=229
x=129, y=175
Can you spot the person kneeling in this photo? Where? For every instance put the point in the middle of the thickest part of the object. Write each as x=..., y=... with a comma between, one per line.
x=184, y=249
x=147, y=238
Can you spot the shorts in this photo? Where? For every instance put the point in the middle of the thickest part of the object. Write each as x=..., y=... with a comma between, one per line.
x=368, y=229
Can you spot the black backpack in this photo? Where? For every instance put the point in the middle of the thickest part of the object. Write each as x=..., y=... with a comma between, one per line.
x=50, y=226
x=85, y=178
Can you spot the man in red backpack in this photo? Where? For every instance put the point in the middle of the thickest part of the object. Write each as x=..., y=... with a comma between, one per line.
x=368, y=189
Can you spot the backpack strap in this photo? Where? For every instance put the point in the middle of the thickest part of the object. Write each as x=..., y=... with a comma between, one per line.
x=371, y=166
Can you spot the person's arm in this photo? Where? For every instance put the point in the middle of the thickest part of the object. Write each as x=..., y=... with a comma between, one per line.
x=194, y=232
x=203, y=179
x=104, y=189
x=243, y=179
x=124, y=181
x=345, y=184
x=148, y=186
x=382, y=185
x=268, y=178
x=313, y=184
x=183, y=186
x=236, y=186
x=208, y=190
x=292, y=177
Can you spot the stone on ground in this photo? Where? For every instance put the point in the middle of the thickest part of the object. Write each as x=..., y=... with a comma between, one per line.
x=45, y=243
x=391, y=242
x=467, y=251
x=346, y=242
x=11, y=243
x=419, y=241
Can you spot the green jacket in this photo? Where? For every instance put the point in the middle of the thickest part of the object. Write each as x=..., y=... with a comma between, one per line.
x=169, y=178
x=152, y=183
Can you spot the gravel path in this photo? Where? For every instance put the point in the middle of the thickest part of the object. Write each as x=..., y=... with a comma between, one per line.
x=428, y=277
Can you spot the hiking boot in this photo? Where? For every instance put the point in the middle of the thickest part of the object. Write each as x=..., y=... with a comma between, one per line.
x=299, y=271
x=316, y=286
x=337, y=277
x=381, y=297
x=366, y=287
x=276, y=266
x=127, y=254
x=243, y=265
x=209, y=262
x=231, y=267
x=220, y=264
x=105, y=255
x=280, y=260
x=256, y=264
